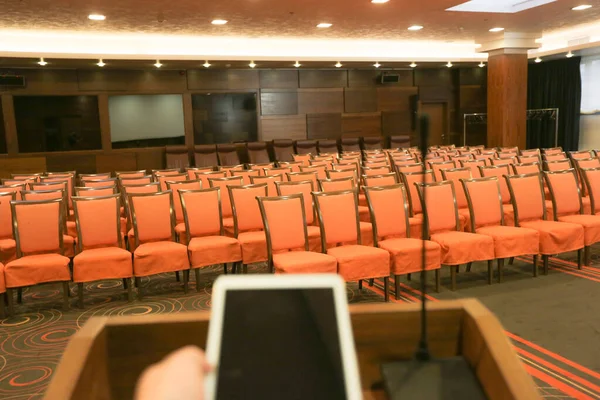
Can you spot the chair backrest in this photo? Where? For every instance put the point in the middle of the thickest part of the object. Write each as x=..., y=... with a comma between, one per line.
x=269, y=180
x=191, y=171
x=409, y=179
x=245, y=174
x=246, y=214
x=505, y=155
x=338, y=217
x=375, y=164
x=226, y=168
x=223, y=183
x=455, y=175
x=504, y=161
x=473, y=165
x=527, y=194
x=6, y=225
x=376, y=171
x=564, y=192
x=135, y=189
x=278, y=171
x=304, y=176
x=98, y=221
x=371, y=143
x=261, y=167
x=529, y=168
x=388, y=207
x=305, y=188
x=552, y=150
x=557, y=165
x=177, y=156
x=306, y=147
x=130, y=174
x=205, y=176
x=257, y=152
x=348, y=173
x=294, y=166
x=227, y=154
x=83, y=191
x=530, y=152
x=336, y=185
x=413, y=167
x=283, y=149
x=34, y=177
x=163, y=179
x=141, y=180
x=16, y=188
x=94, y=177
x=202, y=212
x=585, y=163
x=64, y=185
x=152, y=216
x=328, y=164
x=437, y=169
x=38, y=226
x=319, y=169
x=591, y=177
x=498, y=171
x=582, y=154
x=100, y=182
x=174, y=187
x=303, y=158
x=162, y=172
x=284, y=223
x=554, y=157
x=205, y=155
x=528, y=159
x=486, y=157
x=380, y=180
x=485, y=201
x=328, y=146
x=350, y=144
x=60, y=178
x=438, y=201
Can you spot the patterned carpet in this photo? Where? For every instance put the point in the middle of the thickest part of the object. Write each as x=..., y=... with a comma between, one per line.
x=530, y=309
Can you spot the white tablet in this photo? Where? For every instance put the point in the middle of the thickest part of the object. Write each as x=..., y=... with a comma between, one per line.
x=281, y=337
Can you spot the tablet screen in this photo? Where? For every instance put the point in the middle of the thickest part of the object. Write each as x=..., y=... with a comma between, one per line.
x=280, y=344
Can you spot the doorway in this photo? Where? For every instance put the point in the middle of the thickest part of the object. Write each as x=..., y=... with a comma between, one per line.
x=438, y=122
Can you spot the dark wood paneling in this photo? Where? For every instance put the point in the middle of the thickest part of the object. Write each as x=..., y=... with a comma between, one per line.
x=137, y=81
x=278, y=79
x=2, y=131
x=116, y=161
x=323, y=78
x=313, y=101
x=324, y=126
x=283, y=127
x=435, y=93
x=394, y=98
x=472, y=97
x=242, y=79
x=10, y=124
x=396, y=123
x=278, y=102
x=207, y=79
x=368, y=124
x=82, y=163
x=360, y=100
x=433, y=77
x=104, y=122
x=94, y=80
x=472, y=76
x=188, y=120
x=405, y=78
x=20, y=165
x=151, y=158
x=45, y=81
x=363, y=78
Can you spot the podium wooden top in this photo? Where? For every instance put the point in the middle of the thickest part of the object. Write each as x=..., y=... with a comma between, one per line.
x=104, y=359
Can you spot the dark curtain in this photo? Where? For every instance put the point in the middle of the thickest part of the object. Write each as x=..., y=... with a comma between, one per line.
x=553, y=84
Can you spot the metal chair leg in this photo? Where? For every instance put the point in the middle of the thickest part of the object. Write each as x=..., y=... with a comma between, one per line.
x=437, y=280
x=234, y=268
x=360, y=284
x=469, y=265
x=587, y=255
x=186, y=278
x=535, y=268
x=65, y=286
x=129, y=290
x=500, y=270
x=545, y=262
x=386, y=288
x=245, y=267
x=408, y=277
x=11, y=301
x=579, y=258
x=177, y=276
x=397, y=286
x=197, y=273
x=20, y=296
x=125, y=283
x=490, y=271
x=371, y=282
x=2, y=308
x=225, y=268
x=453, y=269
x=138, y=283
x=511, y=261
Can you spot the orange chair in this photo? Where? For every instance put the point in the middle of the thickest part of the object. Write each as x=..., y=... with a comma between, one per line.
x=352, y=166
x=455, y=175
x=130, y=174
x=226, y=211
x=486, y=157
x=94, y=177
x=8, y=246
x=380, y=180
x=348, y=183
x=499, y=171
x=305, y=188
x=101, y=182
x=95, y=192
x=319, y=169
x=34, y=177
x=100, y=243
x=205, y=176
x=303, y=158
x=304, y=176
x=341, y=238
x=528, y=159
x=591, y=177
x=71, y=183
x=174, y=187
x=391, y=231
x=126, y=223
x=557, y=165
x=473, y=165
x=191, y=171
x=413, y=167
x=163, y=179
x=245, y=174
x=531, y=152
x=277, y=171
x=248, y=225
x=38, y=228
x=437, y=167
x=581, y=154
x=17, y=189
x=294, y=166
x=338, y=174
x=71, y=229
x=261, y=167
x=286, y=232
x=585, y=163
x=162, y=172
x=554, y=156
x=204, y=226
x=438, y=201
x=504, y=161
x=568, y=207
x=156, y=251
x=225, y=168
x=488, y=219
x=269, y=180
x=530, y=168
x=527, y=193
x=141, y=180
x=376, y=170
x=416, y=211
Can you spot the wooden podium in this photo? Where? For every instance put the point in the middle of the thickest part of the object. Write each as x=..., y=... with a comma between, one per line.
x=105, y=358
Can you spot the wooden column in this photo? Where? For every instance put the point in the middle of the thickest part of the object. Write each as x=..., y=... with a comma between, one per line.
x=10, y=124
x=507, y=100
x=104, y=122
x=188, y=120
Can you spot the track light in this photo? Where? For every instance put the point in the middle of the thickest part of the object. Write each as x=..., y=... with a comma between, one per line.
x=481, y=64
x=100, y=63
x=413, y=64
x=297, y=64
x=376, y=65
x=569, y=54
x=338, y=65
x=538, y=60
x=252, y=65
x=449, y=65
x=157, y=64
x=42, y=62
x=206, y=64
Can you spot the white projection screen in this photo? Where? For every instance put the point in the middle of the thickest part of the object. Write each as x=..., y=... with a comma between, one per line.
x=140, y=117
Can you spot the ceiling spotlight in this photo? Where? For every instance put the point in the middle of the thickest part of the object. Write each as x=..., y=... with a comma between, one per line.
x=96, y=17
x=100, y=63
x=481, y=64
x=376, y=65
x=297, y=64
x=581, y=7
x=206, y=64
x=538, y=60
x=413, y=64
x=415, y=28
x=157, y=64
x=498, y=29
x=449, y=65
x=338, y=65
x=379, y=1
x=252, y=65
x=218, y=21
x=42, y=62
x=569, y=54
x=324, y=25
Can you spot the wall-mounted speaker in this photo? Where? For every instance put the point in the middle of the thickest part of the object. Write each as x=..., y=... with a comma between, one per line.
x=12, y=81
x=390, y=78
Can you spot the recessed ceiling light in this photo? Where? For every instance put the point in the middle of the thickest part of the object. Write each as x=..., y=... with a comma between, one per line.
x=497, y=29
x=157, y=64
x=324, y=25
x=297, y=64
x=379, y=1
x=252, y=65
x=413, y=64
x=449, y=65
x=376, y=65
x=481, y=65
x=218, y=21
x=42, y=62
x=538, y=60
x=206, y=64
x=338, y=65
x=581, y=7
x=415, y=28
x=569, y=54
x=100, y=63
x=96, y=17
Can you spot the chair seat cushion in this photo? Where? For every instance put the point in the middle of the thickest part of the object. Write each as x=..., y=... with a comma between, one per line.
x=211, y=250
x=69, y=246
x=510, y=241
x=405, y=254
x=157, y=257
x=181, y=233
x=361, y=262
x=557, y=237
x=8, y=250
x=38, y=268
x=72, y=228
x=102, y=263
x=302, y=262
x=463, y=247
x=254, y=246
x=314, y=238
x=2, y=282
x=590, y=224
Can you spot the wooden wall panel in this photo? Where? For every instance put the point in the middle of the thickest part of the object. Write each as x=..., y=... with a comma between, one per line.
x=278, y=79
x=472, y=76
x=111, y=81
x=363, y=78
x=395, y=98
x=81, y=162
x=52, y=81
x=104, y=122
x=472, y=97
x=207, y=79
x=433, y=77
x=323, y=78
x=396, y=123
x=356, y=125
x=10, y=124
x=360, y=100
x=278, y=102
x=242, y=79
x=283, y=127
x=20, y=165
x=151, y=158
x=435, y=93
x=313, y=101
x=165, y=81
x=324, y=126
x=132, y=80
x=116, y=161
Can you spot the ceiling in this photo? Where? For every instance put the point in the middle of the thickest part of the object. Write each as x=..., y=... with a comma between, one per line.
x=266, y=28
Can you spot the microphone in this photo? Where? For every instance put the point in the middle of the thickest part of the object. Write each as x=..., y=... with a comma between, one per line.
x=424, y=377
